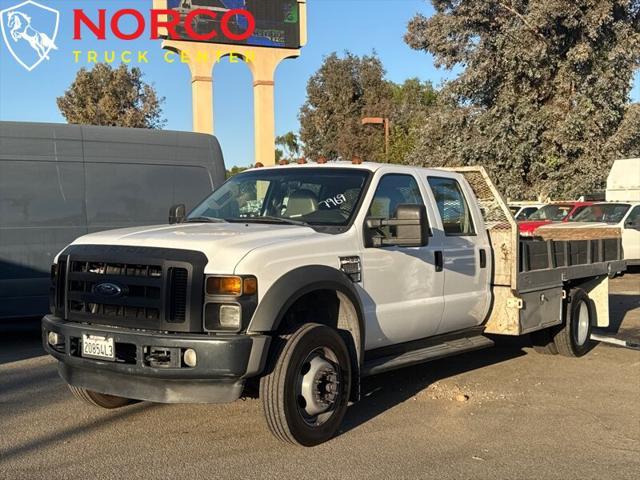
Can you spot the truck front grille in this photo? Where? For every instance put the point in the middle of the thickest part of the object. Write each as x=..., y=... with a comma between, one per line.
x=178, y=278
x=135, y=287
x=140, y=287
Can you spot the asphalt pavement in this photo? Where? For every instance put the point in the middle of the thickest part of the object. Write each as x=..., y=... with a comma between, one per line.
x=501, y=413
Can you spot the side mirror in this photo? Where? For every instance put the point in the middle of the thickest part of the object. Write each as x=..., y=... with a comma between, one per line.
x=177, y=213
x=408, y=228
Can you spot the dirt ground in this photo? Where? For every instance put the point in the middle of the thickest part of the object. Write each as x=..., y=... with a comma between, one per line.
x=501, y=413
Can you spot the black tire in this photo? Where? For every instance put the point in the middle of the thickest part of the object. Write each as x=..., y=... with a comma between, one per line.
x=573, y=338
x=542, y=342
x=313, y=352
x=96, y=399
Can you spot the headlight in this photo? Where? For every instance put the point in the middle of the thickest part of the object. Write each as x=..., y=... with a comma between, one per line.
x=230, y=316
x=228, y=301
x=224, y=286
x=222, y=317
x=234, y=286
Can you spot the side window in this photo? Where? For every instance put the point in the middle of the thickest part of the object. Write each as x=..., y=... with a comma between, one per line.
x=394, y=190
x=576, y=212
x=453, y=208
x=634, y=216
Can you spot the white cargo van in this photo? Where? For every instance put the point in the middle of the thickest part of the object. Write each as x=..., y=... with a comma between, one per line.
x=59, y=182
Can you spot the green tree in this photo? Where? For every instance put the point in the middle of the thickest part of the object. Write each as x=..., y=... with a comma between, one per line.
x=235, y=170
x=626, y=141
x=339, y=95
x=412, y=103
x=112, y=97
x=543, y=91
x=290, y=146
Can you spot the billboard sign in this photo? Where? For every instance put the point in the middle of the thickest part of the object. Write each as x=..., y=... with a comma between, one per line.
x=259, y=23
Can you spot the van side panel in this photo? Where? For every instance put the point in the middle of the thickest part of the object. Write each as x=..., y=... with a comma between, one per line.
x=41, y=208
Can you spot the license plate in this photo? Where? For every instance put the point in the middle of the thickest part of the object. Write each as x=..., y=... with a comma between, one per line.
x=95, y=346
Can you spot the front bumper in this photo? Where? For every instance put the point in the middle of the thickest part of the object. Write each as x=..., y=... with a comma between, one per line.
x=224, y=362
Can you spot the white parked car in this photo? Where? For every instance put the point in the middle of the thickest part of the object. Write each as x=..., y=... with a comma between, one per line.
x=625, y=215
x=522, y=210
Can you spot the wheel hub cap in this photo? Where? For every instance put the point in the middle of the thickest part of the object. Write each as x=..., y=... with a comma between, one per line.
x=319, y=387
x=583, y=323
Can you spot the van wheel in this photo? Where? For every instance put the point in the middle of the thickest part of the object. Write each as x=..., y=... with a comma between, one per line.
x=573, y=337
x=96, y=399
x=306, y=391
x=542, y=342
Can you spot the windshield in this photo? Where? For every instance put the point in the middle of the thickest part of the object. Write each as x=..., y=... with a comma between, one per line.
x=555, y=213
x=525, y=213
x=603, y=212
x=314, y=196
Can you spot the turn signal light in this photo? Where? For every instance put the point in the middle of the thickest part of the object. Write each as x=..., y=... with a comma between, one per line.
x=250, y=286
x=224, y=285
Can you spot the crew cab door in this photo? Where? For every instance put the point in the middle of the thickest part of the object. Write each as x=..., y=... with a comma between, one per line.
x=464, y=251
x=402, y=293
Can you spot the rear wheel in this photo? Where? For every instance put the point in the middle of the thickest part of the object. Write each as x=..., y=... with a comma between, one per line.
x=573, y=337
x=96, y=399
x=306, y=391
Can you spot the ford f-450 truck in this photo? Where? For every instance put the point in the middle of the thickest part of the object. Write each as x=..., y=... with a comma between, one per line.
x=297, y=281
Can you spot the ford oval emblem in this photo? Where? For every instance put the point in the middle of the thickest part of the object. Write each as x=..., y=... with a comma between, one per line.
x=108, y=290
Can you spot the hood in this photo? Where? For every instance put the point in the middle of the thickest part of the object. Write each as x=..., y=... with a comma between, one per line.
x=224, y=244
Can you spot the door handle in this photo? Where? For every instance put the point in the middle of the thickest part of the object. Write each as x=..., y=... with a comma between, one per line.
x=483, y=258
x=439, y=260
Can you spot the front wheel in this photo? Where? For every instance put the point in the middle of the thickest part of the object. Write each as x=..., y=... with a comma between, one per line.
x=306, y=391
x=96, y=399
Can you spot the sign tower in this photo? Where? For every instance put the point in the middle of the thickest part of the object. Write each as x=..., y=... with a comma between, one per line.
x=280, y=32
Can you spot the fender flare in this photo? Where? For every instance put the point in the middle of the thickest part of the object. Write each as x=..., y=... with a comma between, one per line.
x=298, y=282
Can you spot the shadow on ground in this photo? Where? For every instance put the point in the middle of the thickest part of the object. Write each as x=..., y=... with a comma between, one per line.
x=20, y=340
x=619, y=306
x=383, y=392
x=87, y=427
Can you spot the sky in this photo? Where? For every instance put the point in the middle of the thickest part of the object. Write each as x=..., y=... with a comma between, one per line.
x=360, y=26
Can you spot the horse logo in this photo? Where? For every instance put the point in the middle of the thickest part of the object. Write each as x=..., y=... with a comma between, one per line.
x=23, y=29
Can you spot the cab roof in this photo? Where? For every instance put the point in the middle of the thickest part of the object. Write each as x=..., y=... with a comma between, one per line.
x=371, y=166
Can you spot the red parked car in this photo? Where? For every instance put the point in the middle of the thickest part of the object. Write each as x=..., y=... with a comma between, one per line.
x=553, y=212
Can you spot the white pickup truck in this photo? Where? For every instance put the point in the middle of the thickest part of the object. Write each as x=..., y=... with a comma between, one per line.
x=300, y=280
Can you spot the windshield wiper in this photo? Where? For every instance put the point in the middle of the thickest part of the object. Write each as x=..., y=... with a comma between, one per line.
x=203, y=220
x=269, y=219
